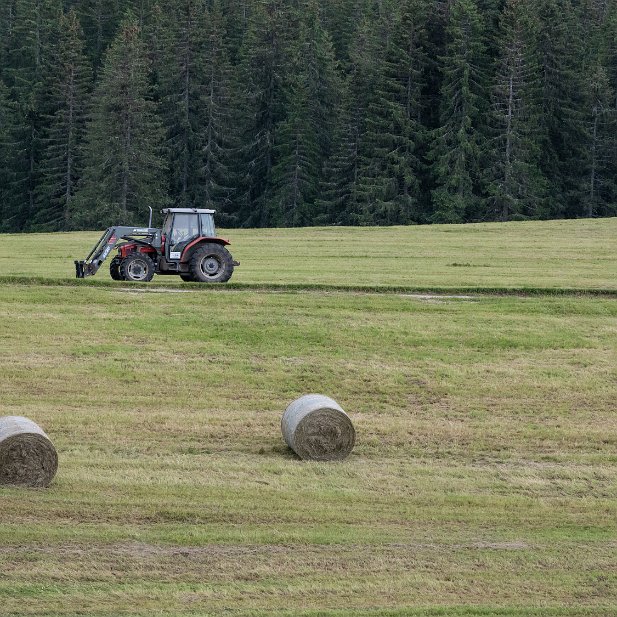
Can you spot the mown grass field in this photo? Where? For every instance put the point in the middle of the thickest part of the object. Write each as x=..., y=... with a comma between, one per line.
x=483, y=482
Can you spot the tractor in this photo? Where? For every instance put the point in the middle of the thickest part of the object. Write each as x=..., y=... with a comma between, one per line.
x=187, y=245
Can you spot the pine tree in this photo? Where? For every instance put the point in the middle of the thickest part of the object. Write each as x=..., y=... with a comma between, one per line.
x=181, y=88
x=124, y=168
x=559, y=48
x=514, y=183
x=7, y=18
x=67, y=85
x=341, y=18
x=305, y=136
x=391, y=167
x=344, y=197
x=264, y=59
x=8, y=118
x=32, y=34
x=100, y=20
x=601, y=122
x=458, y=142
x=219, y=138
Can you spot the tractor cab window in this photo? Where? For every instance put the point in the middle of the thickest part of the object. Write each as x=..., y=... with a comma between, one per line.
x=207, y=225
x=185, y=228
x=167, y=225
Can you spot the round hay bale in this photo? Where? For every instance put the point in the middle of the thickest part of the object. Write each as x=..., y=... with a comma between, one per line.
x=27, y=456
x=316, y=428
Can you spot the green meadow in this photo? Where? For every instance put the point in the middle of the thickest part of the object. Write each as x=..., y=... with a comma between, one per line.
x=478, y=364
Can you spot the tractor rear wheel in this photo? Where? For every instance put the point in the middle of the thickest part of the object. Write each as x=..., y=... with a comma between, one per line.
x=188, y=278
x=211, y=263
x=137, y=267
x=114, y=269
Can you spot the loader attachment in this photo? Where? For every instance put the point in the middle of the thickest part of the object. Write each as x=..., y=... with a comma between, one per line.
x=105, y=245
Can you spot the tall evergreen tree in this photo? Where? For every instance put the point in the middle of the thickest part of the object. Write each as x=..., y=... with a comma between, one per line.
x=391, y=167
x=7, y=18
x=515, y=185
x=305, y=136
x=100, y=20
x=67, y=85
x=601, y=122
x=32, y=34
x=559, y=47
x=219, y=145
x=264, y=63
x=8, y=117
x=124, y=168
x=181, y=88
x=343, y=195
x=457, y=149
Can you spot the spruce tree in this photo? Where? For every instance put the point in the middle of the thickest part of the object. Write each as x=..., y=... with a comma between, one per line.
x=100, y=20
x=181, y=89
x=344, y=197
x=67, y=86
x=601, y=117
x=458, y=144
x=515, y=185
x=559, y=48
x=305, y=136
x=264, y=59
x=32, y=34
x=124, y=172
x=390, y=170
x=220, y=140
x=8, y=119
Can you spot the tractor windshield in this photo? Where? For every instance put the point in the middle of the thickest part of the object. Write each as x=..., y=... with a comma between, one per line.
x=207, y=225
x=185, y=228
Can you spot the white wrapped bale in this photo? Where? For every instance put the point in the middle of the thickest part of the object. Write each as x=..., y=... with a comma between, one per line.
x=316, y=428
x=27, y=456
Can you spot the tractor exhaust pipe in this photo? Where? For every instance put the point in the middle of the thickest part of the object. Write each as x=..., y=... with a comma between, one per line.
x=150, y=219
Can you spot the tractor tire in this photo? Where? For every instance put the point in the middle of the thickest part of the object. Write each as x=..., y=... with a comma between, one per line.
x=211, y=263
x=114, y=269
x=137, y=267
x=187, y=278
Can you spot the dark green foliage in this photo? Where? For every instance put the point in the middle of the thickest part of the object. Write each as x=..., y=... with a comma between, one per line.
x=345, y=193
x=457, y=147
x=515, y=184
x=264, y=63
x=304, y=138
x=124, y=170
x=181, y=75
x=219, y=139
x=8, y=120
x=67, y=85
x=100, y=19
x=394, y=135
x=303, y=112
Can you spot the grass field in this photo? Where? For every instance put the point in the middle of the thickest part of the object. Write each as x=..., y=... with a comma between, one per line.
x=483, y=482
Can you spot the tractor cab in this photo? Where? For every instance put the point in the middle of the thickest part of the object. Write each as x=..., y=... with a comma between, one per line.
x=182, y=226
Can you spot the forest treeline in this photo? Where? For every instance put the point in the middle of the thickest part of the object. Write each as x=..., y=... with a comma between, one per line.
x=303, y=112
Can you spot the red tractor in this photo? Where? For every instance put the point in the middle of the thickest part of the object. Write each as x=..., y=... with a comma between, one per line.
x=186, y=245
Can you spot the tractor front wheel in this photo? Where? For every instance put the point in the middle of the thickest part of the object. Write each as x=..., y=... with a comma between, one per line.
x=137, y=267
x=114, y=269
x=211, y=263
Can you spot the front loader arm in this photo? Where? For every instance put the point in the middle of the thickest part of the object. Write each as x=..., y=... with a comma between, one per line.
x=106, y=245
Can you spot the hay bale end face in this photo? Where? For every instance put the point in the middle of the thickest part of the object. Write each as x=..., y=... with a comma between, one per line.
x=27, y=456
x=316, y=428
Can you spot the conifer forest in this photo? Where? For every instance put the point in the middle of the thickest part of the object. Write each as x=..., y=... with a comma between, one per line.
x=306, y=112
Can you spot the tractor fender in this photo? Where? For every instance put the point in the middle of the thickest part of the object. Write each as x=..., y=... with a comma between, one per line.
x=189, y=248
